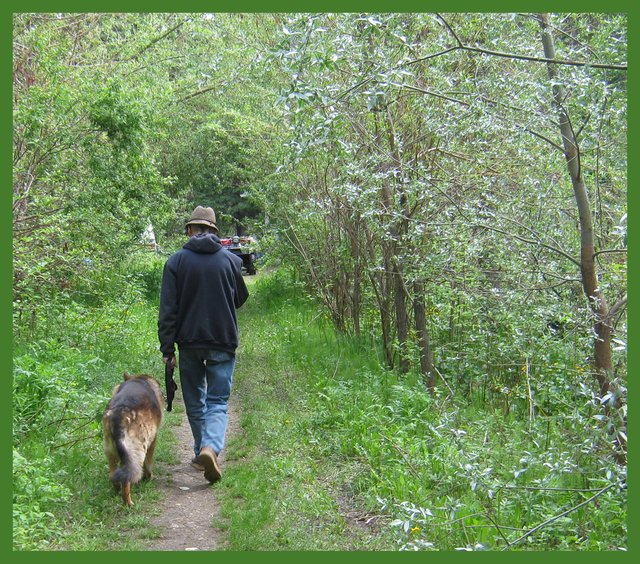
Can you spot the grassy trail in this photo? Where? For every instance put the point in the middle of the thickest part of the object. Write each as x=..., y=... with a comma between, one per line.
x=338, y=453
x=333, y=452
x=279, y=491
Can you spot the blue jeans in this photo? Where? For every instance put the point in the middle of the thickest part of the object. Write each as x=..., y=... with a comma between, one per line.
x=206, y=377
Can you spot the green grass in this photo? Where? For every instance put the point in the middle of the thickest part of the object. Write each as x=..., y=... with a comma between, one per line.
x=63, y=377
x=330, y=436
x=277, y=494
x=91, y=516
x=335, y=452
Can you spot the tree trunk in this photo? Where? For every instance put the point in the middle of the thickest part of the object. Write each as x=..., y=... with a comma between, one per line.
x=420, y=320
x=385, y=320
x=590, y=285
x=356, y=293
x=379, y=284
x=398, y=231
x=402, y=319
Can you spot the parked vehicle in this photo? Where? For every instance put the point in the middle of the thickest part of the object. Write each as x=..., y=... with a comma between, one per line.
x=246, y=247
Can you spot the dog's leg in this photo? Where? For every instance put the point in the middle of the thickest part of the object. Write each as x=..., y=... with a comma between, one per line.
x=148, y=461
x=113, y=466
x=110, y=449
x=126, y=493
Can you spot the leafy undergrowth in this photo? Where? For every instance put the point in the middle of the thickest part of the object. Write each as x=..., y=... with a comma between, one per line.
x=63, y=377
x=340, y=454
x=336, y=452
x=62, y=497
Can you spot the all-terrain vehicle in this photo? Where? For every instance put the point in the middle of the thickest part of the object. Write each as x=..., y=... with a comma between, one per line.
x=245, y=247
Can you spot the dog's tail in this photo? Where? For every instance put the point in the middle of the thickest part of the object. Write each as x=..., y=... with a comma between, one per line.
x=130, y=453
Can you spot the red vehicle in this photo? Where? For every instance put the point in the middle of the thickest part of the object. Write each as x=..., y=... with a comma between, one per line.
x=245, y=247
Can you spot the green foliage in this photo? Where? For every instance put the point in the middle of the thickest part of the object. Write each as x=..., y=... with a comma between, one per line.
x=221, y=162
x=86, y=177
x=37, y=493
x=221, y=139
x=120, y=115
x=424, y=174
x=401, y=172
x=52, y=392
x=147, y=269
x=104, y=113
x=65, y=368
x=275, y=494
x=433, y=472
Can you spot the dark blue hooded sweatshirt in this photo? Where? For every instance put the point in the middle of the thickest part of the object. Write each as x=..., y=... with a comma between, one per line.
x=202, y=286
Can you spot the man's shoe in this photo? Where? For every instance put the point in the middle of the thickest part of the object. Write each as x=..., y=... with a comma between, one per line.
x=194, y=464
x=209, y=460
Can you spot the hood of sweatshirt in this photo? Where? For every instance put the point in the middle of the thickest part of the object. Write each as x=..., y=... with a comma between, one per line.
x=203, y=243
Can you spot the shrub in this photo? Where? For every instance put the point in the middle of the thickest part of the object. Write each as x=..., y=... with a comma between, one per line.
x=37, y=494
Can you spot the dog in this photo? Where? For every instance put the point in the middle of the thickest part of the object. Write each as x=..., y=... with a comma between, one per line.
x=130, y=425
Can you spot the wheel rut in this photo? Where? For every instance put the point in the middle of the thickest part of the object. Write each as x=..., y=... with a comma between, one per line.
x=191, y=510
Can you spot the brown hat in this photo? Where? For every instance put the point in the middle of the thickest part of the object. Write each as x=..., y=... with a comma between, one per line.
x=203, y=216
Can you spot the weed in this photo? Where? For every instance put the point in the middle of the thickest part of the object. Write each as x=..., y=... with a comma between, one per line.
x=323, y=419
x=63, y=378
x=337, y=452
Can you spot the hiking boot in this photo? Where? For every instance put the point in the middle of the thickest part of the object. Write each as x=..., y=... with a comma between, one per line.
x=194, y=464
x=209, y=461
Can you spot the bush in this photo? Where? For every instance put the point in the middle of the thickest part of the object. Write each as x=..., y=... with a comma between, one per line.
x=450, y=471
x=65, y=366
x=37, y=494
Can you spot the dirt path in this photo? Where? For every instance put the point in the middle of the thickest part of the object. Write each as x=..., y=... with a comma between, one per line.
x=190, y=508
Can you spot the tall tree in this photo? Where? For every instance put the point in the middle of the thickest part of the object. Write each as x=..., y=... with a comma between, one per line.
x=433, y=131
x=591, y=283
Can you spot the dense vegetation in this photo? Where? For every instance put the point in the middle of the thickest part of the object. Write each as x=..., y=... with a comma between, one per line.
x=447, y=190
x=340, y=453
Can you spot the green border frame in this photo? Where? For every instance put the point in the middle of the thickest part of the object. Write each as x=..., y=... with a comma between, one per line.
x=290, y=6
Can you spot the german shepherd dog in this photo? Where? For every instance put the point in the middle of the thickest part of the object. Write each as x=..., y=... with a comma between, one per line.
x=130, y=424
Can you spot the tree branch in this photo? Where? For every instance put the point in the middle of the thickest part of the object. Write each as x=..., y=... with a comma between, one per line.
x=198, y=93
x=160, y=38
x=141, y=51
x=563, y=514
x=602, y=252
x=540, y=136
x=620, y=304
x=352, y=88
x=433, y=55
x=513, y=56
x=76, y=441
x=543, y=59
x=529, y=241
x=531, y=231
x=430, y=93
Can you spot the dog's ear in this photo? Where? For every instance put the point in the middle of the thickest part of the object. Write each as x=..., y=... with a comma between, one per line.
x=127, y=376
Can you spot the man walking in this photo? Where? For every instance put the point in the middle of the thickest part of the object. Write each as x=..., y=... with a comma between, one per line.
x=202, y=286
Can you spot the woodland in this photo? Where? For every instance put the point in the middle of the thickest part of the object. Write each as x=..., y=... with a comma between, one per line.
x=446, y=192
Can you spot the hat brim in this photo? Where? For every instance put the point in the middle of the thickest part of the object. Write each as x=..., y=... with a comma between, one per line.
x=202, y=222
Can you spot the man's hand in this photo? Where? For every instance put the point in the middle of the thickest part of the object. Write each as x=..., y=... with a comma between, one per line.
x=171, y=359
